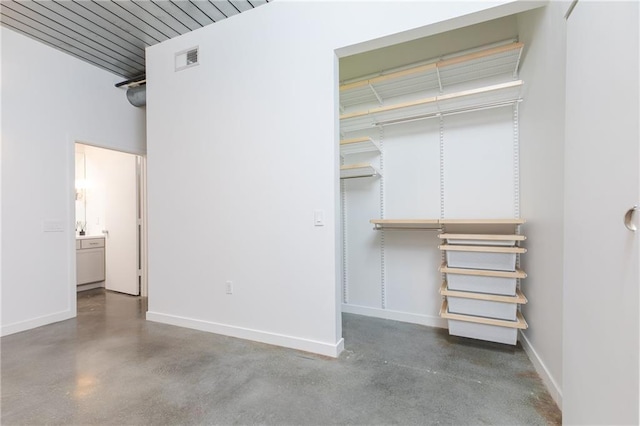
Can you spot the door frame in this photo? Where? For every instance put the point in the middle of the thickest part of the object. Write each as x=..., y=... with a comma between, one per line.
x=71, y=216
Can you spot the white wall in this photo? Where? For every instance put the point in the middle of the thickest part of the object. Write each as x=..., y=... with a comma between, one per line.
x=478, y=181
x=49, y=101
x=542, y=186
x=243, y=149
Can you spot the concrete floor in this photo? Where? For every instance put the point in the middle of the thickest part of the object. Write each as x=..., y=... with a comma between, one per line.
x=109, y=366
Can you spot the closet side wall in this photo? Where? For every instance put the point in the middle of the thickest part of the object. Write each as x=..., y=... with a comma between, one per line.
x=542, y=192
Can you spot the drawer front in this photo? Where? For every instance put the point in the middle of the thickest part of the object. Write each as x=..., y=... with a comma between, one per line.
x=78, y=245
x=92, y=243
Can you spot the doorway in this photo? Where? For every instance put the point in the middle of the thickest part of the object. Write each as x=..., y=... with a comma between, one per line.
x=110, y=220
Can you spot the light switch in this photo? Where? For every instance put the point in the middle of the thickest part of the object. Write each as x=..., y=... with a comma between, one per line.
x=318, y=217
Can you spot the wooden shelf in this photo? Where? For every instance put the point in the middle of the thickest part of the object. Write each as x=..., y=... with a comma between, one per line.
x=360, y=170
x=358, y=145
x=518, y=298
x=519, y=323
x=518, y=273
x=482, y=249
x=482, y=221
x=425, y=224
x=482, y=237
x=431, y=106
x=435, y=75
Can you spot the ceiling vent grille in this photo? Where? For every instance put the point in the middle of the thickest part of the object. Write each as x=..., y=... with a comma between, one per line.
x=187, y=58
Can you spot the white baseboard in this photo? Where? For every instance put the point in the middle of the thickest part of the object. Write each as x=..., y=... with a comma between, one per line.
x=327, y=349
x=17, y=327
x=429, y=320
x=541, y=369
x=91, y=286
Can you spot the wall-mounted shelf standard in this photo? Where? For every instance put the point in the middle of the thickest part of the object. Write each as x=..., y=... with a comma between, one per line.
x=360, y=170
x=358, y=145
x=433, y=106
x=457, y=69
x=419, y=224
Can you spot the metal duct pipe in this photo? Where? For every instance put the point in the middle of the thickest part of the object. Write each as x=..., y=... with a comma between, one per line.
x=137, y=95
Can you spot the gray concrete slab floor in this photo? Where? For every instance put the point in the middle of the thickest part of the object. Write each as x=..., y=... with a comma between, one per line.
x=110, y=366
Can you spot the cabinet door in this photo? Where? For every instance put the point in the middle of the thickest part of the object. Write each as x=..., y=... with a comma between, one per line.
x=600, y=298
x=90, y=265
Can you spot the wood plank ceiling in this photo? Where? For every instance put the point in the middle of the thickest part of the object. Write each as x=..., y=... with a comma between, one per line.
x=113, y=34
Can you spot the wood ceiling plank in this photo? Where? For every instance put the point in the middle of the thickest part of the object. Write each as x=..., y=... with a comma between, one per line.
x=191, y=8
x=212, y=11
x=35, y=34
x=62, y=26
x=65, y=40
x=173, y=10
x=63, y=13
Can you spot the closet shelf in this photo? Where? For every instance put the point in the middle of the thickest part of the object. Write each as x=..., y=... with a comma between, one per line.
x=482, y=249
x=358, y=145
x=518, y=298
x=482, y=221
x=433, y=106
x=518, y=273
x=519, y=323
x=425, y=224
x=482, y=237
x=359, y=170
x=432, y=76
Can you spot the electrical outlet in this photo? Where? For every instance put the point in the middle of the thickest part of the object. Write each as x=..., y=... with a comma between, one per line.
x=229, y=287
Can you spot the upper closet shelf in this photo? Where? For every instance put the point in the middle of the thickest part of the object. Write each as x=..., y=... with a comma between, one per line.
x=433, y=106
x=438, y=75
x=358, y=145
x=360, y=170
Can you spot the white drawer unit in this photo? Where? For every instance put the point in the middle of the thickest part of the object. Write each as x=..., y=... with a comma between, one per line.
x=490, y=329
x=482, y=257
x=90, y=257
x=481, y=294
x=483, y=305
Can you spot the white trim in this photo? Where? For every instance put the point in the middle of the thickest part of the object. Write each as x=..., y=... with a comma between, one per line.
x=25, y=325
x=90, y=286
x=541, y=369
x=327, y=349
x=428, y=320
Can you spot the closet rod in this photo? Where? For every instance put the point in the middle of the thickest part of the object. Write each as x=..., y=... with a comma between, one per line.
x=445, y=113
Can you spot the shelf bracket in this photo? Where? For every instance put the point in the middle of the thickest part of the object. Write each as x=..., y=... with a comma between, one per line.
x=376, y=94
x=515, y=71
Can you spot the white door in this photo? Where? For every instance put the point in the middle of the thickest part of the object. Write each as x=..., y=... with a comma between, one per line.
x=600, y=297
x=121, y=221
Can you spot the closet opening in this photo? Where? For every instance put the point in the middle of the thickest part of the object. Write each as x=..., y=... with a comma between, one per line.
x=429, y=182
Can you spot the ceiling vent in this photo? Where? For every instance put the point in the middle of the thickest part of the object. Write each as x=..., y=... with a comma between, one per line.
x=187, y=58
